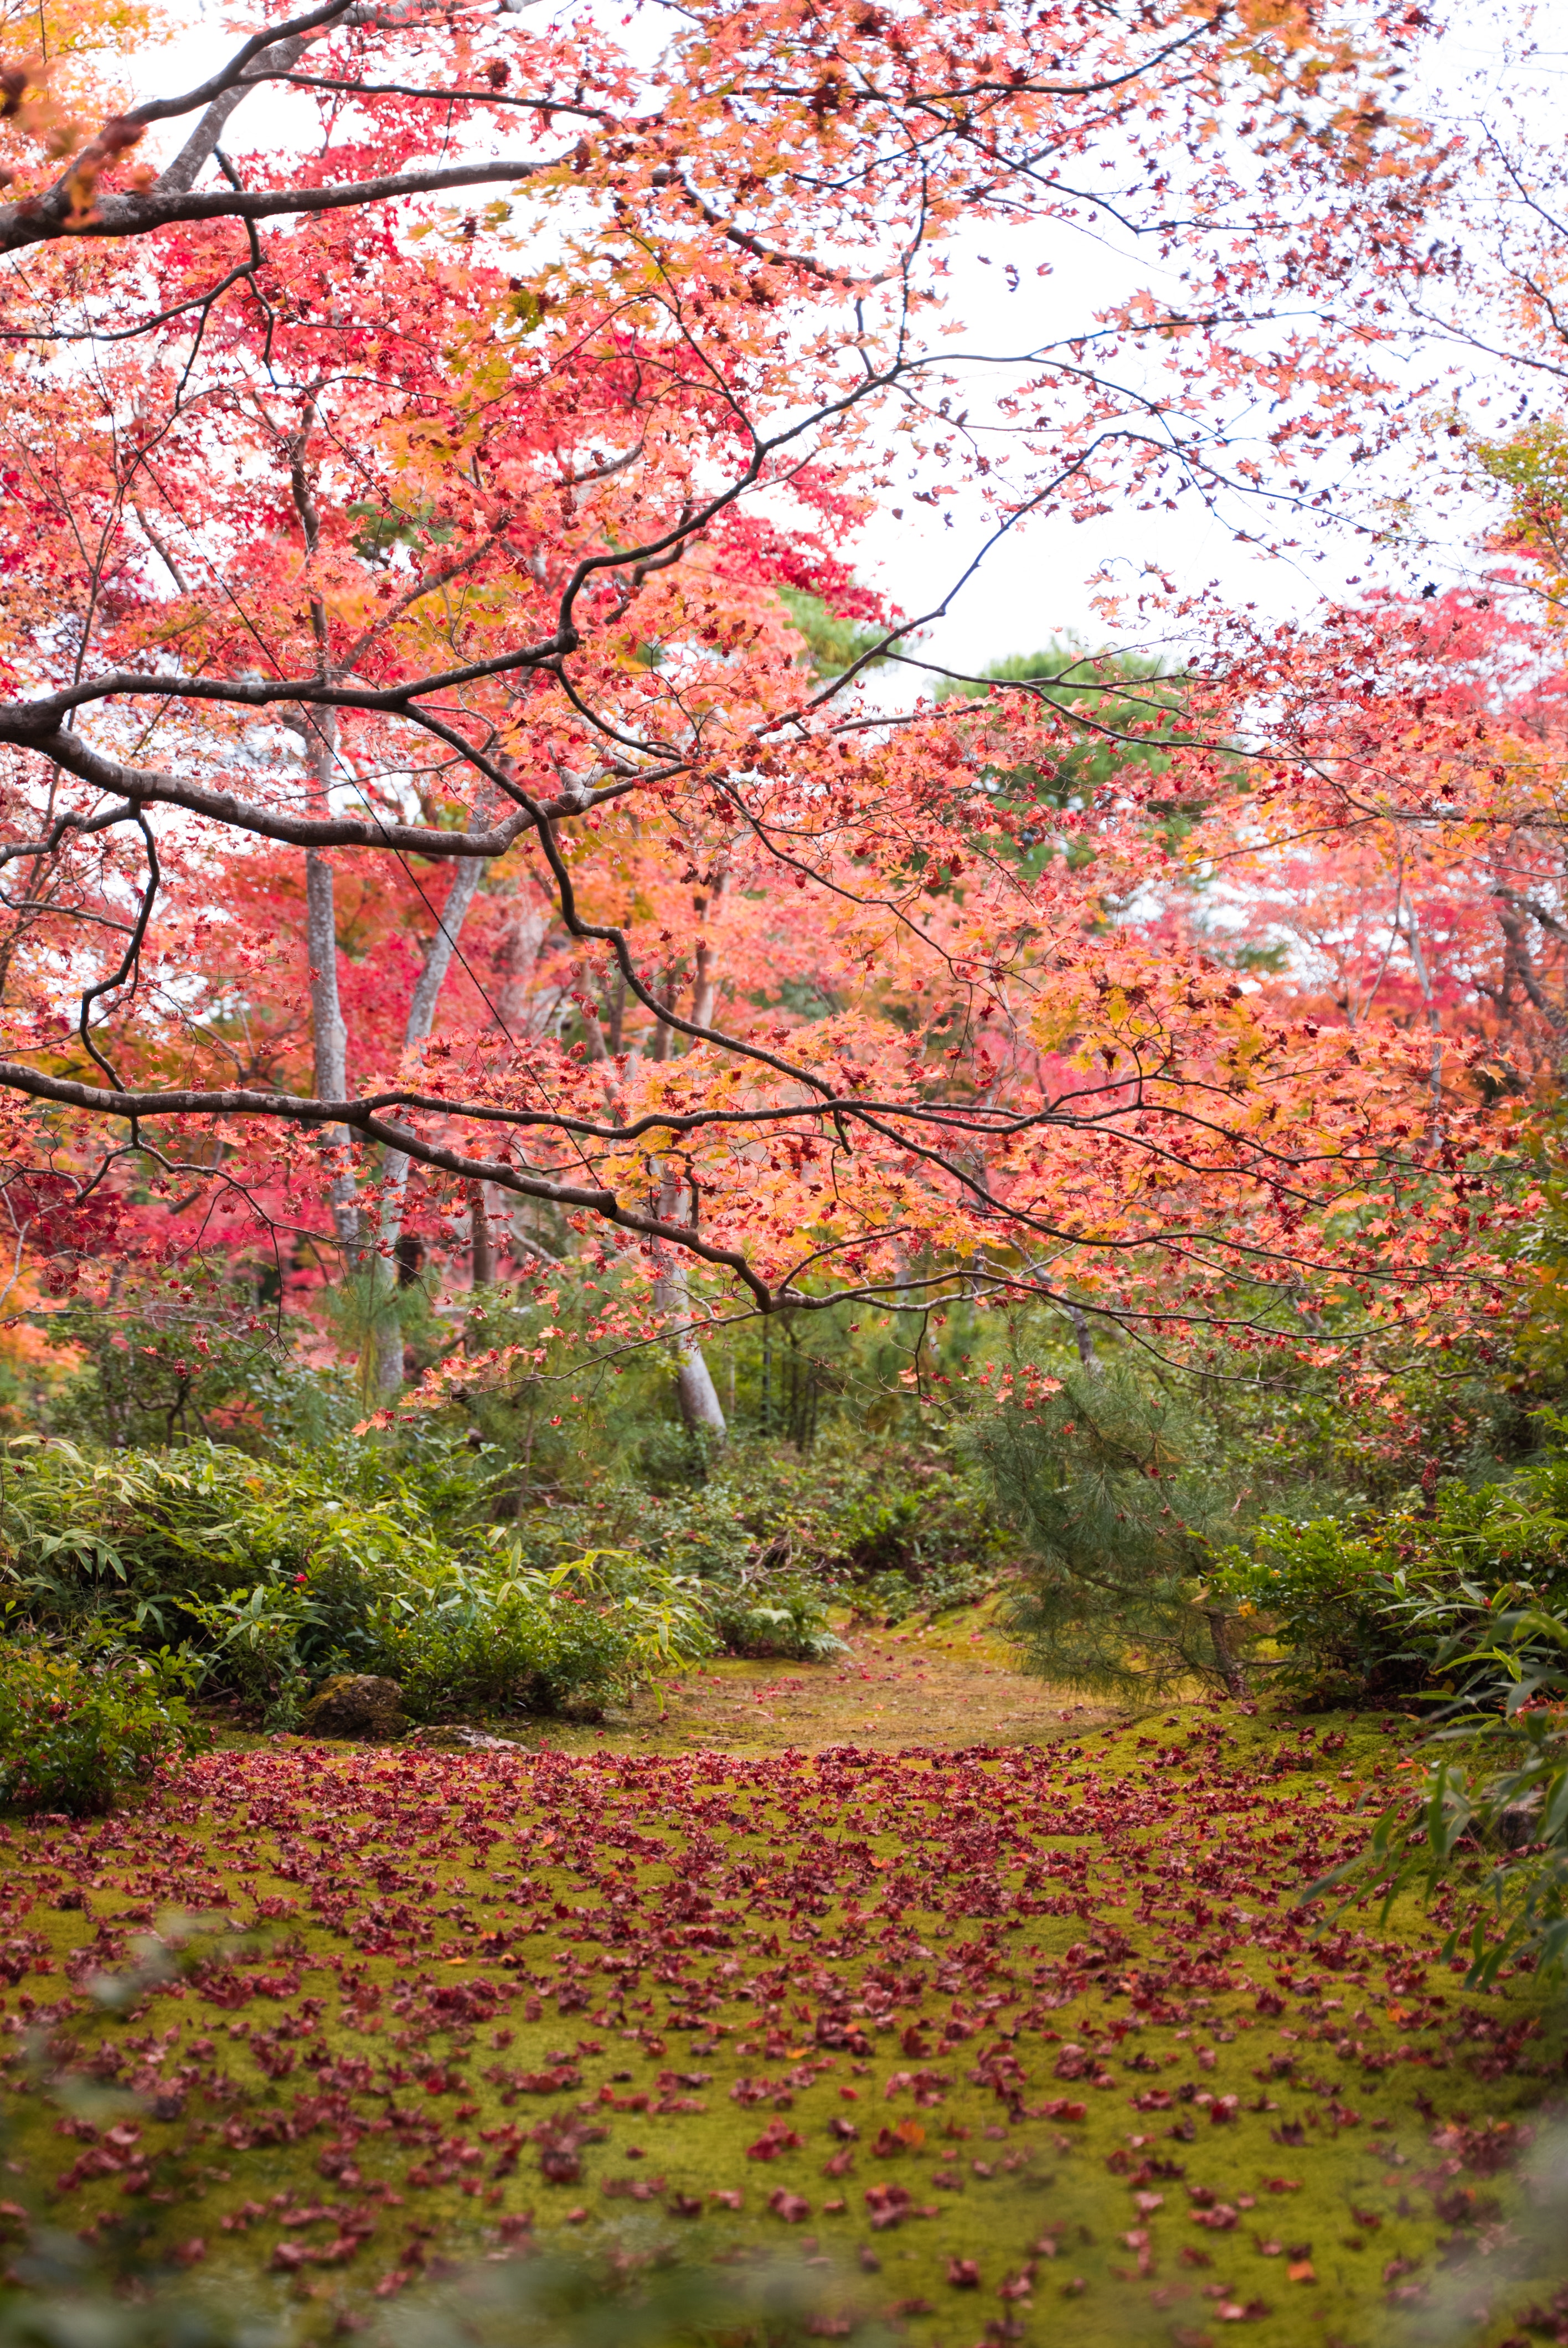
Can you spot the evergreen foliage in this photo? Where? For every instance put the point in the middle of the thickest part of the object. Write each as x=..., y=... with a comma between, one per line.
x=833, y=643
x=1122, y=1503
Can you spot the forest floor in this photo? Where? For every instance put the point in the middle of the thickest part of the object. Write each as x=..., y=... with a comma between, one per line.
x=1009, y=2025
x=951, y=1684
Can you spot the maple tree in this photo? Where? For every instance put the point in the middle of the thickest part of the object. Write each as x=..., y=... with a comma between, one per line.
x=1405, y=857
x=1401, y=862
x=422, y=793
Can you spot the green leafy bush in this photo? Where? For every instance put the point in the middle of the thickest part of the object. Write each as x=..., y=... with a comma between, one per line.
x=516, y=1638
x=272, y=1577
x=1392, y=1605
x=788, y=1619
x=922, y=1539
x=469, y=1653
x=263, y=1573
x=1326, y=1598
x=272, y=1574
x=776, y=1538
x=74, y=1736
x=1491, y=1820
x=674, y=1458
x=87, y=1533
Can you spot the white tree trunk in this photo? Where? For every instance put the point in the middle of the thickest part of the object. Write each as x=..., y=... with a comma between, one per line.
x=328, y=1032
x=319, y=729
x=694, y=1387
x=706, y=958
x=465, y=878
x=516, y=961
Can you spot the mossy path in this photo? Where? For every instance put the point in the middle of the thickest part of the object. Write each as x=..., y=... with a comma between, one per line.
x=1021, y=2040
x=947, y=1683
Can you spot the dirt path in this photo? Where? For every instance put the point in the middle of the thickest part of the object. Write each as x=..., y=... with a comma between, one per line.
x=951, y=1686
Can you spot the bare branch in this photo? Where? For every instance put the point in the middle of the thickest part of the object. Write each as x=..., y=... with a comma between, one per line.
x=38, y=220
x=143, y=785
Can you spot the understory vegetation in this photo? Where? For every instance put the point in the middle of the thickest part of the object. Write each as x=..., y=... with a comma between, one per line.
x=1251, y=1530
x=489, y=1562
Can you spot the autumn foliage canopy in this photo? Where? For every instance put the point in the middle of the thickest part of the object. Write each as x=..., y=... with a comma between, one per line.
x=429, y=446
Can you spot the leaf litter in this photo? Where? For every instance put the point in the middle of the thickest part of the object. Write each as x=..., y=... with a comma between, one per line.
x=1043, y=2025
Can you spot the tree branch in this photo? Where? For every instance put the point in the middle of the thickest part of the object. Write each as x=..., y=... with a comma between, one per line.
x=100, y=1101
x=144, y=785
x=38, y=220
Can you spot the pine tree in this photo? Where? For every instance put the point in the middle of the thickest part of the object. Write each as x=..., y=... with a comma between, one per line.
x=1115, y=1493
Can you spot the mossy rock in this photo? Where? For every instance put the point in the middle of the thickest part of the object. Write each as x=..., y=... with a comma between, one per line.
x=355, y=1705
x=460, y=1737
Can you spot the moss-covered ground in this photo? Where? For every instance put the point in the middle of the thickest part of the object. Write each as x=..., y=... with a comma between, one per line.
x=1023, y=2041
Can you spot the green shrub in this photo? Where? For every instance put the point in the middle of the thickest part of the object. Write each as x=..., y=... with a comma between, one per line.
x=270, y=1578
x=672, y=1457
x=516, y=1655
x=1116, y=1493
x=75, y=1735
x=1490, y=1822
x=262, y=1574
x=271, y=1574
x=921, y=1539
x=1392, y=1605
x=702, y=1532
x=775, y=1537
x=790, y=1621
x=87, y=1535
x=520, y=1639
x=892, y=1598
x=1327, y=1598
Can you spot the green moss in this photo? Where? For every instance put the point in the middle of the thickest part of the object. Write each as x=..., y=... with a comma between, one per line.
x=821, y=1884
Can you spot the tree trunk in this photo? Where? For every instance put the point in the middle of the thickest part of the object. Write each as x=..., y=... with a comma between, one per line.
x=586, y=1010
x=319, y=729
x=466, y=877
x=483, y=1246
x=179, y=176
x=1434, y=1019
x=1085, y=1336
x=662, y=1037
x=706, y=958
x=694, y=1387
x=515, y=960
x=1229, y=1664
x=329, y=1034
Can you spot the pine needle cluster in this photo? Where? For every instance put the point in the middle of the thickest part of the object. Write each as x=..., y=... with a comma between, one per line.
x=1122, y=1504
